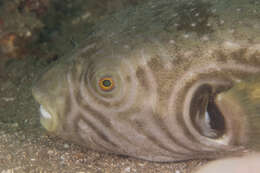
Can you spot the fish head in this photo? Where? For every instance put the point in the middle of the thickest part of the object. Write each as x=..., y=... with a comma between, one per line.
x=51, y=95
x=133, y=97
x=154, y=94
x=97, y=80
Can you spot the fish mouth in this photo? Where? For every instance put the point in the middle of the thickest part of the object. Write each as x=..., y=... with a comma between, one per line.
x=44, y=113
x=48, y=118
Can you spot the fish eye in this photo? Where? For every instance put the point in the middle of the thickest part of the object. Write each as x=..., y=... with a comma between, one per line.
x=106, y=84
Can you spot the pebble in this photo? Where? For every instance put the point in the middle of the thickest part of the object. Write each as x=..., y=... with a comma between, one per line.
x=127, y=169
x=14, y=125
x=141, y=164
x=50, y=152
x=9, y=157
x=172, y=41
x=8, y=99
x=8, y=171
x=66, y=146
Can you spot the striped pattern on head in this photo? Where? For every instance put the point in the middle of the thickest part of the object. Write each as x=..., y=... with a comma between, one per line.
x=148, y=111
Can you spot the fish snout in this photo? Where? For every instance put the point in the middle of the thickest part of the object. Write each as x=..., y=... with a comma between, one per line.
x=50, y=92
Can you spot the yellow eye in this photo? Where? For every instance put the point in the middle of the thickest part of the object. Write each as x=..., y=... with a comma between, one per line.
x=106, y=83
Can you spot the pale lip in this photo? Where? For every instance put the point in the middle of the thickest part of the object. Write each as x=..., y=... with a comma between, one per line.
x=45, y=113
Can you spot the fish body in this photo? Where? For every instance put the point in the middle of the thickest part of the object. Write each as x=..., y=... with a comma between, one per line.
x=144, y=83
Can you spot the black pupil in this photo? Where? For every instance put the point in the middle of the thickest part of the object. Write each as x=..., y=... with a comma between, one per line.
x=107, y=83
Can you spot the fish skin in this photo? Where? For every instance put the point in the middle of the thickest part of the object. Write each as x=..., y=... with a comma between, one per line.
x=244, y=99
x=166, y=58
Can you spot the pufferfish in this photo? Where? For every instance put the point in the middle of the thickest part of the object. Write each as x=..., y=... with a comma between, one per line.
x=167, y=80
